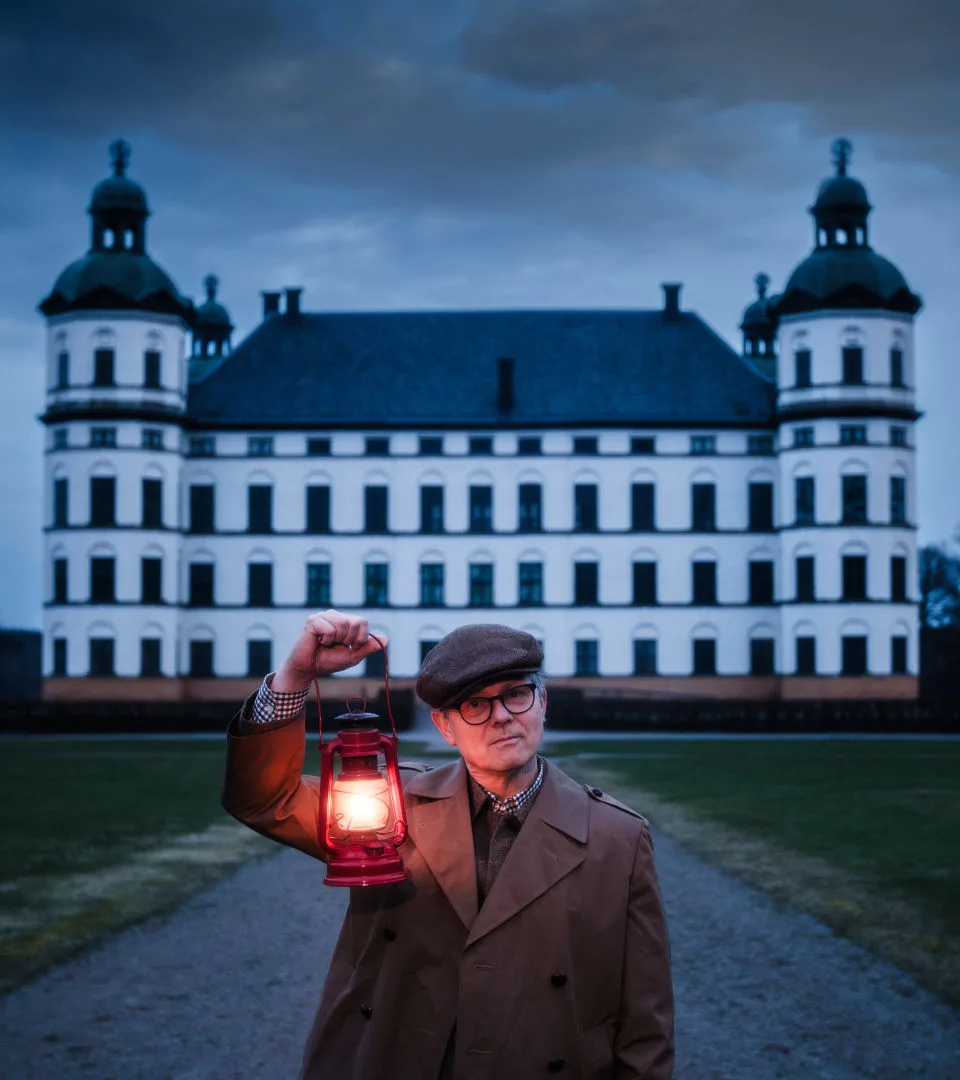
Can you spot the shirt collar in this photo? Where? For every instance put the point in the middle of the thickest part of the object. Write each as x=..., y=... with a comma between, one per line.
x=516, y=805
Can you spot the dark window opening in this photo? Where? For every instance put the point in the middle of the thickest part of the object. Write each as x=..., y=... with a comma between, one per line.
x=101, y=656
x=103, y=580
x=318, y=508
x=481, y=585
x=802, y=369
x=260, y=446
x=644, y=584
x=759, y=445
x=898, y=579
x=375, y=508
x=103, y=367
x=200, y=585
x=63, y=372
x=201, y=508
x=585, y=508
x=530, y=584
x=59, y=581
x=201, y=446
x=431, y=585
x=530, y=509
x=805, y=579
x=642, y=512
x=259, y=658
x=152, y=500
x=260, y=508
x=642, y=444
x=703, y=444
x=852, y=357
x=481, y=445
x=704, y=582
x=529, y=446
x=644, y=656
x=431, y=445
x=103, y=437
x=318, y=585
x=201, y=659
x=585, y=583
x=853, y=435
x=376, y=446
x=761, y=656
x=854, y=656
x=103, y=500
x=431, y=509
x=481, y=509
x=854, y=577
x=585, y=444
x=151, y=369
x=60, y=501
x=318, y=447
x=760, y=515
x=704, y=656
x=854, y=498
x=150, y=658
x=898, y=655
x=59, y=656
x=704, y=504
x=898, y=500
x=376, y=592
x=761, y=582
x=259, y=584
x=806, y=656
x=803, y=436
x=898, y=436
x=151, y=581
x=896, y=367
x=804, y=497
x=587, y=657
x=425, y=647
x=375, y=665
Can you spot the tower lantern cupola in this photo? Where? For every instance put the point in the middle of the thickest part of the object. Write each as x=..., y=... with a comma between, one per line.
x=211, y=328
x=759, y=326
x=119, y=207
x=841, y=207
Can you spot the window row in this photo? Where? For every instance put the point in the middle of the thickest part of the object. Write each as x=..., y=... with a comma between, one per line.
x=104, y=369
x=853, y=500
x=850, y=435
x=103, y=502
x=150, y=438
x=851, y=367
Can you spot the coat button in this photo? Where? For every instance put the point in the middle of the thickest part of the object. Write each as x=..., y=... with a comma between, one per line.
x=389, y=933
x=598, y=792
x=367, y=1011
x=556, y=1065
x=558, y=978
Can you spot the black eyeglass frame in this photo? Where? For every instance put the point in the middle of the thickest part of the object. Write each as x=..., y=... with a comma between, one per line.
x=532, y=687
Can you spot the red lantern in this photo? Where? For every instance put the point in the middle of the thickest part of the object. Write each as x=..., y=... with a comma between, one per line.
x=361, y=821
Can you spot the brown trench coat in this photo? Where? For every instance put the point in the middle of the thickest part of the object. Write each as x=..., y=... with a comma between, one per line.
x=564, y=970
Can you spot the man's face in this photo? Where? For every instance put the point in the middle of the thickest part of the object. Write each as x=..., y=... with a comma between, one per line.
x=507, y=741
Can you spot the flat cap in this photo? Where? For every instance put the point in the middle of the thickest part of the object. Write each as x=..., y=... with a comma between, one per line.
x=472, y=657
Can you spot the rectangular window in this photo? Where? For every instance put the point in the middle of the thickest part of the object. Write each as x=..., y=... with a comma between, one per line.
x=643, y=444
x=703, y=444
x=530, y=584
x=704, y=582
x=898, y=579
x=375, y=508
x=804, y=499
x=201, y=508
x=806, y=587
x=318, y=447
x=644, y=584
x=585, y=583
x=201, y=446
x=151, y=581
x=151, y=369
x=704, y=656
x=431, y=585
x=853, y=435
x=806, y=656
x=761, y=656
x=61, y=438
x=481, y=445
x=529, y=446
x=431, y=509
x=425, y=647
x=431, y=445
x=896, y=367
x=201, y=659
x=259, y=508
x=318, y=508
x=760, y=445
x=103, y=500
x=803, y=436
x=802, y=367
x=854, y=497
x=852, y=357
x=59, y=656
x=103, y=367
x=151, y=438
x=761, y=582
x=103, y=580
x=151, y=498
x=898, y=500
x=586, y=657
x=530, y=516
x=60, y=502
x=150, y=658
x=585, y=444
x=101, y=657
x=585, y=508
x=898, y=655
x=376, y=446
x=703, y=498
x=103, y=437
x=854, y=656
x=642, y=513
x=898, y=436
x=200, y=585
x=259, y=658
x=854, y=569
x=318, y=585
x=59, y=581
x=481, y=509
x=259, y=584
x=376, y=592
x=481, y=585
x=644, y=656
x=760, y=507
x=260, y=446
x=375, y=665
x=63, y=370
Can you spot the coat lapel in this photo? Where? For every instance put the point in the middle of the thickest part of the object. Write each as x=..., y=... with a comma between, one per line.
x=549, y=846
x=438, y=819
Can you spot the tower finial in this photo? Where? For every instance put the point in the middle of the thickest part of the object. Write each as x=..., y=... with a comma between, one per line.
x=120, y=156
x=210, y=283
x=763, y=283
x=841, y=149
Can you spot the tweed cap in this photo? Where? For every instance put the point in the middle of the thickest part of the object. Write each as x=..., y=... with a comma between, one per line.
x=472, y=657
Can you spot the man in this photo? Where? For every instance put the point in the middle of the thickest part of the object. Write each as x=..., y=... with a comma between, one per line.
x=529, y=938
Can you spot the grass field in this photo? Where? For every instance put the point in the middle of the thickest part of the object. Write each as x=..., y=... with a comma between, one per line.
x=97, y=833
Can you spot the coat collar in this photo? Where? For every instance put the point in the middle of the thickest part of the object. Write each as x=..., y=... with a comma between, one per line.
x=548, y=847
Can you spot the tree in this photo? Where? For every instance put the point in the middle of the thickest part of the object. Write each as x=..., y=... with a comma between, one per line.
x=939, y=587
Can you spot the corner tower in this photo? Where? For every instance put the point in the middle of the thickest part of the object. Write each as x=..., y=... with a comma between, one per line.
x=846, y=409
x=116, y=396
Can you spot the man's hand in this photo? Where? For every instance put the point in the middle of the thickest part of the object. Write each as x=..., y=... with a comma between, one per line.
x=344, y=639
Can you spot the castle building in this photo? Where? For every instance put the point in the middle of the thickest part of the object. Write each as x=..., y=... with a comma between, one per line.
x=663, y=512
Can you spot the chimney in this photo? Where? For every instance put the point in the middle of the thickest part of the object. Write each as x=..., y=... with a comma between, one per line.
x=271, y=303
x=505, y=384
x=671, y=301
x=293, y=301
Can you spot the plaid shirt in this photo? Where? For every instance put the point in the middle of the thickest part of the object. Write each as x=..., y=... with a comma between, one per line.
x=273, y=707
x=516, y=804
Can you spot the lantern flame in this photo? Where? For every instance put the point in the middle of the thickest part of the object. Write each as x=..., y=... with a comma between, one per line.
x=360, y=805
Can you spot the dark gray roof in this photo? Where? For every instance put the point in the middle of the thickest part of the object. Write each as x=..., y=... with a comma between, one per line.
x=441, y=369
x=846, y=277
x=115, y=280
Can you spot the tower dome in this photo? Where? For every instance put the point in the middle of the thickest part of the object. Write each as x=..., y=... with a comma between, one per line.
x=843, y=271
x=116, y=273
x=759, y=326
x=211, y=328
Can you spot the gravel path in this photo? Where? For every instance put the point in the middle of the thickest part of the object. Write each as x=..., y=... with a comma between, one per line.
x=225, y=989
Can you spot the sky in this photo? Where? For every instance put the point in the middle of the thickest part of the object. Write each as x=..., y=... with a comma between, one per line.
x=399, y=154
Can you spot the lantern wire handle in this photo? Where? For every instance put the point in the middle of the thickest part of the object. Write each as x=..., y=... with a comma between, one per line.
x=386, y=686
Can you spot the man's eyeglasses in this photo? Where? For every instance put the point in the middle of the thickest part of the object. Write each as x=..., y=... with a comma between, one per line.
x=516, y=700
